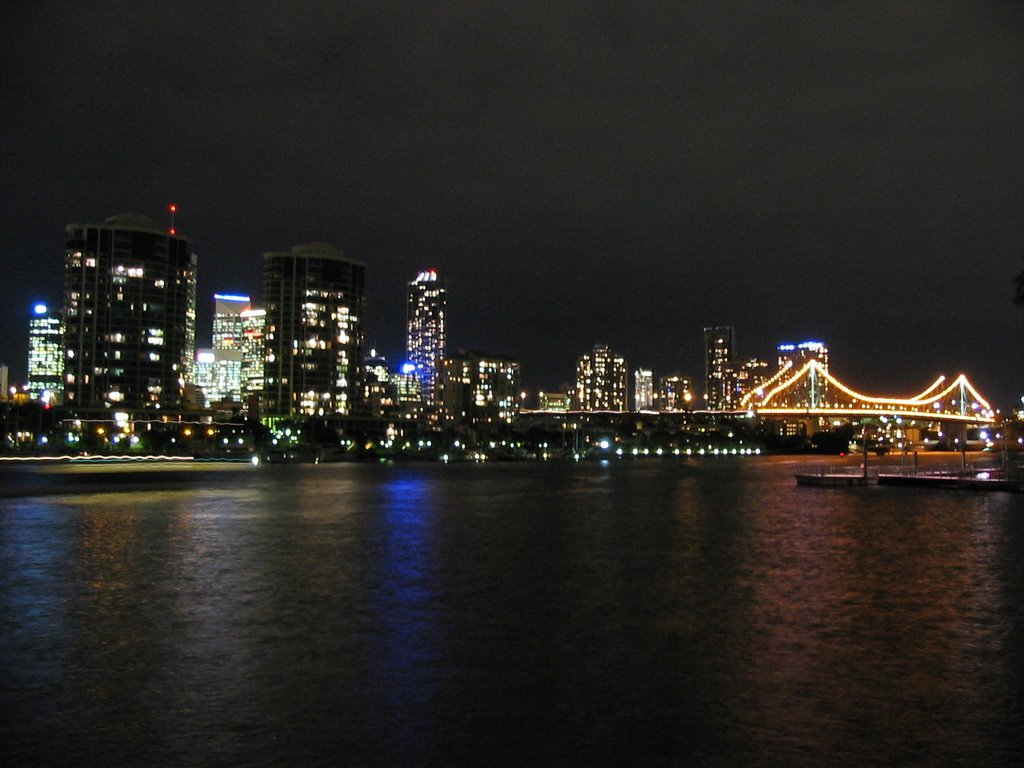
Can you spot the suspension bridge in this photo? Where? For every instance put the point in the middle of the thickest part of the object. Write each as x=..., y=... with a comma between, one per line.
x=812, y=391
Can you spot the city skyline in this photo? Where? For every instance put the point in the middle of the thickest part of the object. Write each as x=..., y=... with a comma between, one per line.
x=580, y=174
x=728, y=375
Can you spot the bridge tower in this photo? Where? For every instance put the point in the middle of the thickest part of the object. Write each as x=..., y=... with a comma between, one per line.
x=815, y=389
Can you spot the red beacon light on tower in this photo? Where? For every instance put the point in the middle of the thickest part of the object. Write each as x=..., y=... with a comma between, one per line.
x=173, y=208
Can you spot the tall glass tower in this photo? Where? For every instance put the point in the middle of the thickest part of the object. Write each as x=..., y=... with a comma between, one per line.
x=425, y=331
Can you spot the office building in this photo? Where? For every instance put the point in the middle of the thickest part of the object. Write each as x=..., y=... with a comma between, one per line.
x=314, y=298
x=228, y=340
x=742, y=377
x=45, y=355
x=408, y=392
x=129, y=314
x=254, y=322
x=719, y=348
x=426, y=302
x=601, y=381
x=643, y=389
x=479, y=388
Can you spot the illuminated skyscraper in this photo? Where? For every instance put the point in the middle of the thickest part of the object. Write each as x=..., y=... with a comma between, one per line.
x=228, y=338
x=425, y=330
x=719, y=348
x=253, y=350
x=314, y=303
x=601, y=381
x=227, y=320
x=129, y=313
x=45, y=355
x=643, y=389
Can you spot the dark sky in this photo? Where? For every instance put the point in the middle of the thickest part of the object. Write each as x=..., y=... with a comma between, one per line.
x=624, y=173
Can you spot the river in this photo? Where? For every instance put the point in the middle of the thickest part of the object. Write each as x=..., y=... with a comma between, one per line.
x=660, y=612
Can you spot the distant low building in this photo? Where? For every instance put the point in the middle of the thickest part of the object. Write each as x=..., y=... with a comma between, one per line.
x=554, y=401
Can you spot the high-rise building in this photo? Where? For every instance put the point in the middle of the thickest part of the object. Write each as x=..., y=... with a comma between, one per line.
x=426, y=302
x=797, y=355
x=479, y=388
x=129, y=314
x=253, y=350
x=719, y=348
x=314, y=298
x=742, y=377
x=601, y=381
x=4, y=379
x=45, y=355
x=675, y=393
x=228, y=340
x=643, y=389
x=227, y=320
x=793, y=357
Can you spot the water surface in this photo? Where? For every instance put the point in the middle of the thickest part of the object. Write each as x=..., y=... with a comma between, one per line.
x=660, y=612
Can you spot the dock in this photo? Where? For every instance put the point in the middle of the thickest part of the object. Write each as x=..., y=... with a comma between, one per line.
x=831, y=478
x=961, y=481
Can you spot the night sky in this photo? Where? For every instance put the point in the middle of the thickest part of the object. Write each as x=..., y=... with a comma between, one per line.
x=624, y=173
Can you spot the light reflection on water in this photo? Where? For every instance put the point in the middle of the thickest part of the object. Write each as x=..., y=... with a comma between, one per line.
x=514, y=614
